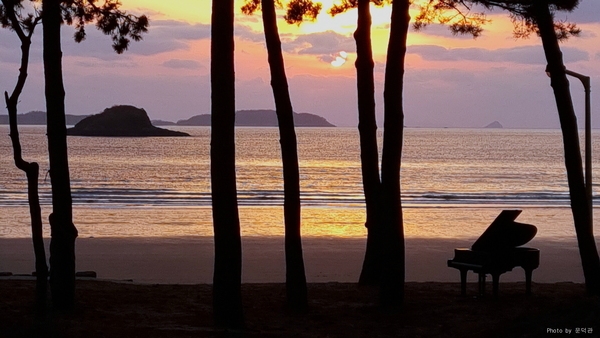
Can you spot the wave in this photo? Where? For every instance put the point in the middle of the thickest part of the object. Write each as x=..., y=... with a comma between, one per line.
x=127, y=197
x=527, y=198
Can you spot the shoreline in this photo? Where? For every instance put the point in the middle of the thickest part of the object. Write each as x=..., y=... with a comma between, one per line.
x=189, y=260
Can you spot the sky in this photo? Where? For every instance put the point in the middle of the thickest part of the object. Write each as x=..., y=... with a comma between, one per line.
x=450, y=81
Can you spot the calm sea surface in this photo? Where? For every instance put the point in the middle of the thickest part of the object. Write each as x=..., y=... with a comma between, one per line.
x=454, y=182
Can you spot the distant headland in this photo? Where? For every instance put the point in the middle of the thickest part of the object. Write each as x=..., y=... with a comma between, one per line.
x=39, y=118
x=120, y=121
x=244, y=118
x=257, y=118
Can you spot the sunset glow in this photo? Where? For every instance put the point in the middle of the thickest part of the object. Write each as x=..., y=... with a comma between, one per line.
x=170, y=68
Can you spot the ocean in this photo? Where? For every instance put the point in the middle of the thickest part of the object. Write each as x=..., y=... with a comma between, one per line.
x=454, y=182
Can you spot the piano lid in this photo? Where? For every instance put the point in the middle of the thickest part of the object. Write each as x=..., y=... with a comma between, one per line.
x=504, y=233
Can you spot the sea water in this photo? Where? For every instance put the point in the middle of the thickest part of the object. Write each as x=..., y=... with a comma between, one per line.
x=454, y=182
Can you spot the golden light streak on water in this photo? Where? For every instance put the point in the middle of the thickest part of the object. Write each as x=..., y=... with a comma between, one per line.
x=321, y=222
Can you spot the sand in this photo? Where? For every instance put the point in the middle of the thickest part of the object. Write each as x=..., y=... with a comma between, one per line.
x=108, y=309
x=189, y=260
x=160, y=287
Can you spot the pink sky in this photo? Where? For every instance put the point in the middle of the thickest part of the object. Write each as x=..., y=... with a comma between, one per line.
x=450, y=81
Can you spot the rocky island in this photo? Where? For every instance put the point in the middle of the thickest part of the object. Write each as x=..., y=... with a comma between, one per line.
x=120, y=121
x=494, y=125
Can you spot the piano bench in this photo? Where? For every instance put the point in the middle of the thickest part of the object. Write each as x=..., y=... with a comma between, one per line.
x=481, y=271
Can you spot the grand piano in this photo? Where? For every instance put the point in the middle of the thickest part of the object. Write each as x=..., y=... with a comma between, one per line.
x=497, y=251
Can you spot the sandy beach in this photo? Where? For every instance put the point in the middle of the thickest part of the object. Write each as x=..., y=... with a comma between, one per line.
x=189, y=260
x=109, y=309
x=161, y=287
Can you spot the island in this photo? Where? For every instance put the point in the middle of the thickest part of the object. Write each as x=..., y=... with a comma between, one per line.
x=160, y=123
x=39, y=118
x=494, y=125
x=244, y=118
x=120, y=121
x=260, y=118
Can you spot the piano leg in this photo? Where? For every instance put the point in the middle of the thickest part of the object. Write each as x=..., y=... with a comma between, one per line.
x=528, y=273
x=496, y=281
x=463, y=282
x=481, y=284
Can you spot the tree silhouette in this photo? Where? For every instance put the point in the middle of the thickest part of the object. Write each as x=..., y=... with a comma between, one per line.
x=384, y=261
x=580, y=208
x=392, y=225
x=24, y=26
x=298, y=10
x=122, y=27
x=384, y=257
x=367, y=126
x=227, y=299
x=296, y=293
x=530, y=16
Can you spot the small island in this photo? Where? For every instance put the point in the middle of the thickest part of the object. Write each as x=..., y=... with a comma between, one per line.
x=120, y=121
x=494, y=125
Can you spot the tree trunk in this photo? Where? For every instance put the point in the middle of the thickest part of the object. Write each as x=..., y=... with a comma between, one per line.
x=31, y=169
x=63, y=231
x=369, y=154
x=227, y=300
x=392, y=282
x=295, y=274
x=568, y=121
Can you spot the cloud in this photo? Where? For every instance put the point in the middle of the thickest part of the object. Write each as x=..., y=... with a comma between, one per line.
x=169, y=35
x=246, y=33
x=96, y=45
x=182, y=64
x=325, y=45
x=96, y=63
x=153, y=47
x=587, y=34
x=519, y=55
x=326, y=58
x=255, y=18
x=163, y=36
x=179, y=30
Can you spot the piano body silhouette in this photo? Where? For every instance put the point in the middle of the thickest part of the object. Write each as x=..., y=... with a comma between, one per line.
x=497, y=251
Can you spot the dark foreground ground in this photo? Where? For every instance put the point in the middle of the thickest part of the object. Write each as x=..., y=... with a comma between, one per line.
x=108, y=309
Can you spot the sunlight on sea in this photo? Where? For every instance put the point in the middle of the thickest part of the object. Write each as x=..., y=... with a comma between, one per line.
x=461, y=223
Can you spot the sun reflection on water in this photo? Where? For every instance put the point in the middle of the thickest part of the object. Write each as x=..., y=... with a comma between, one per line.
x=317, y=222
